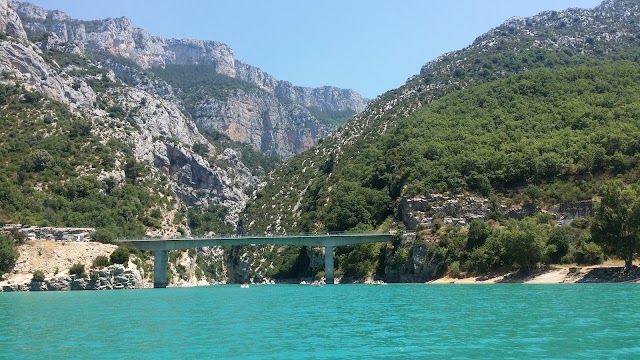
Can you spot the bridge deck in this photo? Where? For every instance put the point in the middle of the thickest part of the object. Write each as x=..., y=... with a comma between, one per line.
x=303, y=240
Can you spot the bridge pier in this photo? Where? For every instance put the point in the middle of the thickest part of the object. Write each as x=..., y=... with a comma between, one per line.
x=328, y=264
x=160, y=259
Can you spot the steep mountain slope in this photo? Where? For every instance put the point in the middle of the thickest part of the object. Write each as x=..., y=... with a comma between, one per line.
x=360, y=160
x=60, y=107
x=274, y=116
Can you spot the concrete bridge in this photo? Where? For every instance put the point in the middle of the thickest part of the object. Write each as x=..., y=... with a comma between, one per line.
x=161, y=247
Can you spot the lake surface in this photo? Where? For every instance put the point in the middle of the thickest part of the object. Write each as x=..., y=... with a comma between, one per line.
x=404, y=321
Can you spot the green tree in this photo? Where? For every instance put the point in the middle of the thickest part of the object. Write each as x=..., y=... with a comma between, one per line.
x=358, y=260
x=616, y=226
x=8, y=252
x=352, y=204
x=525, y=243
x=103, y=235
x=39, y=160
x=560, y=238
x=479, y=232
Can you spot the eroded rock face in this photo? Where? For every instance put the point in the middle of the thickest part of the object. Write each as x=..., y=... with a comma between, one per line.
x=261, y=120
x=30, y=68
x=166, y=138
x=455, y=209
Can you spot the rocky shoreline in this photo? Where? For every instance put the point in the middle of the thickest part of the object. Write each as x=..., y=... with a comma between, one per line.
x=112, y=277
x=55, y=258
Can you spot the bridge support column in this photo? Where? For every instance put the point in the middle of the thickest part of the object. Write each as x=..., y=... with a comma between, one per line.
x=160, y=259
x=328, y=264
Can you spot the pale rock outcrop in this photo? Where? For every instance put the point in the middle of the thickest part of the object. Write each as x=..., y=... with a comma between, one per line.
x=10, y=21
x=261, y=120
x=111, y=277
x=326, y=98
x=26, y=64
x=165, y=140
x=118, y=36
x=456, y=209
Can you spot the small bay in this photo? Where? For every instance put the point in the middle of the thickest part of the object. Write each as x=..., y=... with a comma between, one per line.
x=335, y=321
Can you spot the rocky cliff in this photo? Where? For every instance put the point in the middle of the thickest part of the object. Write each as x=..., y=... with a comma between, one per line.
x=280, y=120
x=10, y=22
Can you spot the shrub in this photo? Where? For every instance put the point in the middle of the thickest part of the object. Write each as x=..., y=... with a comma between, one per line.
x=77, y=269
x=101, y=261
x=120, y=255
x=479, y=232
x=590, y=253
x=156, y=214
x=454, y=269
x=38, y=276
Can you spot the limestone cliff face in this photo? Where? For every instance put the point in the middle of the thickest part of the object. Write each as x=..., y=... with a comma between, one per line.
x=280, y=103
x=10, y=22
x=119, y=37
x=21, y=58
x=165, y=139
x=326, y=98
x=262, y=120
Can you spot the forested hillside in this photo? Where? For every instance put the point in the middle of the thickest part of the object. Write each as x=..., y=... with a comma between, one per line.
x=559, y=130
x=535, y=116
x=551, y=40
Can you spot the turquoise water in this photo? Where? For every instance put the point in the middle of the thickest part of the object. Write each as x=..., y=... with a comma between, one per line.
x=587, y=321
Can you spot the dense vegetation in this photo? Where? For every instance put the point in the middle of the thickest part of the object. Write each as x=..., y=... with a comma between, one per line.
x=209, y=220
x=548, y=134
x=528, y=129
x=524, y=245
x=617, y=223
x=335, y=118
x=540, y=138
x=197, y=80
x=553, y=41
x=49, y=162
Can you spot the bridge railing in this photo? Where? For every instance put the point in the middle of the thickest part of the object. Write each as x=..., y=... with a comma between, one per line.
x=259, y=236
